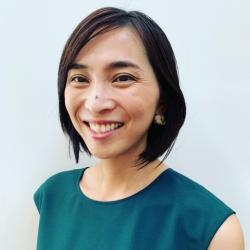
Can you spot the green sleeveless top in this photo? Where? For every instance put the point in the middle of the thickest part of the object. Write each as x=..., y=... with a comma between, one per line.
x=172, y=212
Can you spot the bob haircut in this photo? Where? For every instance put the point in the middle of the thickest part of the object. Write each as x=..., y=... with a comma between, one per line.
x=160, y=56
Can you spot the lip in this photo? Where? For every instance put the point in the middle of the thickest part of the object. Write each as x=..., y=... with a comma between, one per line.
x=101, y=136
x=102, y=121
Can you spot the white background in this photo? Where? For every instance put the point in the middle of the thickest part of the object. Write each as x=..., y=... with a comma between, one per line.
x=211, y=41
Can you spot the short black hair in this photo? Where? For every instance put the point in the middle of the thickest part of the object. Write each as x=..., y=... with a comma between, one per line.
x=162, y=59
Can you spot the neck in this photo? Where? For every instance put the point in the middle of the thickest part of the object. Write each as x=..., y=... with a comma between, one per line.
x=112, y=178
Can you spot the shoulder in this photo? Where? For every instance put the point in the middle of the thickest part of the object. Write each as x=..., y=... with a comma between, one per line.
x=193, y=193
x=56, y=185
x=229, y=236
x=60, y=179
x=200, y=209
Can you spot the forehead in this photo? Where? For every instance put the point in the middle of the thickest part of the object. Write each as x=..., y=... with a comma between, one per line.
x=119, y=44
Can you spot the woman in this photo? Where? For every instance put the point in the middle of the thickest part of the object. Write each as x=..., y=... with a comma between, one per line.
x=120, y=100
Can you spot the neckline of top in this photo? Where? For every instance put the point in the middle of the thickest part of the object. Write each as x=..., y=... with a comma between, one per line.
x=122, y=200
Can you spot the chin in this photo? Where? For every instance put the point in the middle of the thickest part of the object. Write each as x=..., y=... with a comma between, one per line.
x=106, y=154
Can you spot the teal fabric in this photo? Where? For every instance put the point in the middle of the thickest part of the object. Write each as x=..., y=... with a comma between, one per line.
x=173, y=212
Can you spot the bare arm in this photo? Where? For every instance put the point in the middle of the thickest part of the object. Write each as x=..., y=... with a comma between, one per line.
x=229, y=236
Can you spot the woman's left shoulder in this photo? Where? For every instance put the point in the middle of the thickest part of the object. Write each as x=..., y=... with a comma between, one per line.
x=229, y=236
x=194, y=194
x=223, y=228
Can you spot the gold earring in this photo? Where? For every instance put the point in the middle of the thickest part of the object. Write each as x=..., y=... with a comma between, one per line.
x=159, y=119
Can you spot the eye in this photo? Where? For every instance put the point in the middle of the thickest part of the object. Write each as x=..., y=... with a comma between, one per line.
x=124, y=78
x=78, y=79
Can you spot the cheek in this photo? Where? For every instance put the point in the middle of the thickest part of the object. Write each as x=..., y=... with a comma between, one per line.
x=69, y=100
x=143, y=103
x=66, y=99
x=141, y=110
x=71, y=107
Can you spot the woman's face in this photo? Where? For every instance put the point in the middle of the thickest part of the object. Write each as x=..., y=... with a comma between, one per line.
x=114, y=67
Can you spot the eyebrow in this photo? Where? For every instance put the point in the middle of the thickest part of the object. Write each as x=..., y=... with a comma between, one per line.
x=110, y=66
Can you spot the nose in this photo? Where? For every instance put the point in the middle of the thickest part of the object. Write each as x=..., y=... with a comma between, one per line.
x=99, y=100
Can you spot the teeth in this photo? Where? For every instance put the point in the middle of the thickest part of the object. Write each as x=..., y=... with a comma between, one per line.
x=102, y=128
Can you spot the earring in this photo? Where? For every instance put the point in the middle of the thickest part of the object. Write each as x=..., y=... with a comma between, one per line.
x=159, y=119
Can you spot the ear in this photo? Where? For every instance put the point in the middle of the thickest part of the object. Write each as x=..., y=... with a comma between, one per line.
x=161, y=108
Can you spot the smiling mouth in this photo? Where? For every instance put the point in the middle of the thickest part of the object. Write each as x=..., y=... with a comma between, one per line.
x=103, y=128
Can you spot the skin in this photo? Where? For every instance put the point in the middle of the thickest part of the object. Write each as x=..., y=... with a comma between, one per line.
x=133, y=101
x=229, y=236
